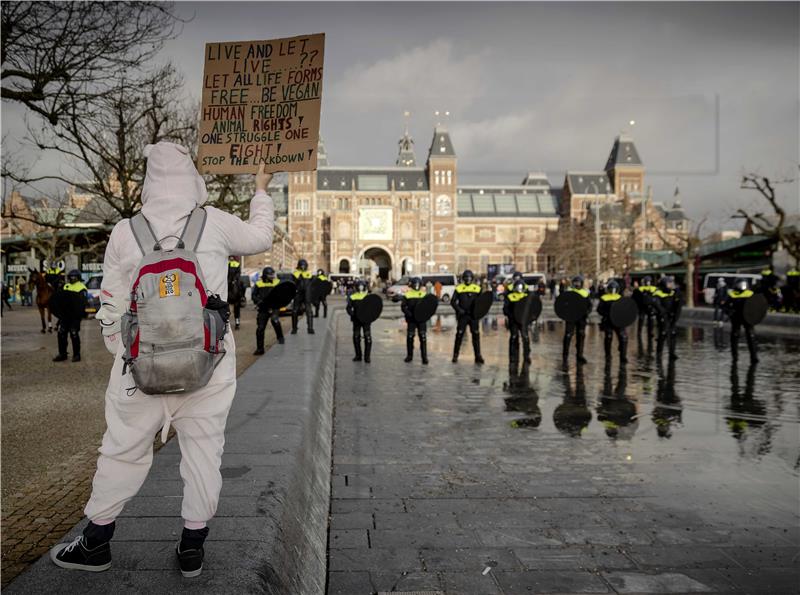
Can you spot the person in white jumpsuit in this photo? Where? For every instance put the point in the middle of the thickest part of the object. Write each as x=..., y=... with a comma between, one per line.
x=172, y=189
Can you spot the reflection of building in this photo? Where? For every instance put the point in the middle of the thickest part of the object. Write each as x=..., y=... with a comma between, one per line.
x=410, y=218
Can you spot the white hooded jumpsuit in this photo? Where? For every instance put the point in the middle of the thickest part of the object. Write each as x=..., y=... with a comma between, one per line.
x=172, y=189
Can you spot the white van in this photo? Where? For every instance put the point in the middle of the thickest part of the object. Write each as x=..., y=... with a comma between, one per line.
x=448, y=281
x=710, y=283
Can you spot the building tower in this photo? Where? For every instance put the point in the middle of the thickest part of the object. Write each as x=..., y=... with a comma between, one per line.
x=405, y=154
x=442, y=181
x=624, y=168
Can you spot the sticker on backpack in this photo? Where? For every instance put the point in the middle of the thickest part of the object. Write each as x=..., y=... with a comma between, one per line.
x=169, y=285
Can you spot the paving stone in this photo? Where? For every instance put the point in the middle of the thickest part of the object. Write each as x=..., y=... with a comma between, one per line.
x=668, y=582
x=469, y=559
x=697, y=556
x=349, y=583
x=472, y=582
x=572, y=557
x=406, y=559
x=551, y=582
x=350, y=538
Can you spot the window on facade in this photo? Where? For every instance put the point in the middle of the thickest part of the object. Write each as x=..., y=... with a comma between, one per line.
x=463, y=263
x=436, y=177
x=484, y=263
x=449, y=177
x=530, y=262
x=443, y=205
x=507, y=259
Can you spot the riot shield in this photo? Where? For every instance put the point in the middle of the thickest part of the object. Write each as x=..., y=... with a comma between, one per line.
x=528, y=309
x=369, y=309
x=281, y=295
x=755, y=309
x=570, y=306
x=67, y=305
x=623, y=312
x=425, y=308
x=481, y=305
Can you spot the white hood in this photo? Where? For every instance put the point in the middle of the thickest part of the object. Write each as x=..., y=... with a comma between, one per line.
x=172, y=188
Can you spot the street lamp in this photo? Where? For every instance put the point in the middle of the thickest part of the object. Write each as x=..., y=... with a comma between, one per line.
x=596, y=232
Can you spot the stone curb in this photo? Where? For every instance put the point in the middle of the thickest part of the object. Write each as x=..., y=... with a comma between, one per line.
x=271, y=530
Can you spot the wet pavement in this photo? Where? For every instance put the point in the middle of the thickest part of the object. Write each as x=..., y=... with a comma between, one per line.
x=481, y=479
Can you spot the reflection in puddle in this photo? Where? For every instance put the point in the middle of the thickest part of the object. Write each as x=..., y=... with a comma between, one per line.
x=523, y=397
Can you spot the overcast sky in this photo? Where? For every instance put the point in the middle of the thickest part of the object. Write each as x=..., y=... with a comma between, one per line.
x=547, y=86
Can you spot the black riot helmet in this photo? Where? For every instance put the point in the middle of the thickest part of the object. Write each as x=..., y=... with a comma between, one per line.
x=577, y=282
x=467, y=277
x=519, y=286
x=360, y=286
x=666, y=283
x=320, y=272
x=740, y=284
x=73, y=276
x=646, y=280
x=516, y=275
x=612, y=286
x=415, y=283
x=302, y=264
x=268, y=274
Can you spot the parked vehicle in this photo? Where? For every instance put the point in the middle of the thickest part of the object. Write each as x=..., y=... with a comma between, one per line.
x=710, y=283
x=448, y=281
x=93, y=298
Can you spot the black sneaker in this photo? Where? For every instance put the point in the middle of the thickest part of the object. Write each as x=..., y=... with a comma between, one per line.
x=76, y=358
x=190, y=560
x=281, y=341
x=258, y=352
x=311, y=331
x=76, y=556
x=61, y=357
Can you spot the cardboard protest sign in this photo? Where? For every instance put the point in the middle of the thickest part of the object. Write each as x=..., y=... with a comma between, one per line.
x=261, y=104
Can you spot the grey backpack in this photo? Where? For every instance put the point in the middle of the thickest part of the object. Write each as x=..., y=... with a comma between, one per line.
x=172, y=341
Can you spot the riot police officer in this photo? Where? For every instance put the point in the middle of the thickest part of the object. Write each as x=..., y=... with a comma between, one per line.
x=515, y=277
x=604, y=304
x=262, y=289
x=463, y=298
x=412, y=295
x=578, y=327
x=518, y=292
x=791, y=291
x=668, y=310
x=720, y=299
x=235, y=288
x=324, y=299
x=643, y=296
x=54, y=275
x=769, y=287
x=70, y=323
x=735, y=306
x=360, y=292
x=302, y=279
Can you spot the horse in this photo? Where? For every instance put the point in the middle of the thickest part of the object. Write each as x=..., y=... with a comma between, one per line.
x=44, y=291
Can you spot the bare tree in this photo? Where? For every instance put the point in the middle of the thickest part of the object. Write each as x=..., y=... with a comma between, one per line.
x=102, y=141
x=687, y=247
x=774, y=226
x=56, y=52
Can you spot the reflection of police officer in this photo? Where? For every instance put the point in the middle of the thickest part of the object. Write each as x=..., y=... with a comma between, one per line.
x=262, y=289
x=643, y=296
x=358, y=327
x=324, y=299
x=668, y=409
x=522, y=397
x=747, y=412
x=518, y=292
x=577, y=328
x=737, y=297
x=235, y=288
x=604, y=304
x=573, y=415
x=668, y=311
x=616, y=411
x=463, y=299
x=302, y=279
x=410, y=299
x=70, y=324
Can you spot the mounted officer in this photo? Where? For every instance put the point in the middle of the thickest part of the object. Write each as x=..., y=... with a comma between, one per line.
x=668, y=310
x=410, y=299
x=578, y=327
x=70, y=322
x=360, y=292
x=463, y=299
x=54, y=275
x=262, y=289
x=607, y=299
x=302, y=279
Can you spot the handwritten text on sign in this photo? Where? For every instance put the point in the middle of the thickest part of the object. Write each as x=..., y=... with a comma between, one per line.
x=261, y=104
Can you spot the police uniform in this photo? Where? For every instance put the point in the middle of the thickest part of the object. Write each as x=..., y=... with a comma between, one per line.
x=604, y=310
x=302, y=280
x=668, y=310
x=463, y=298
x=358, y=327
x=577, y=328
x=410, y=299
x=791, y=299
x=323, y=300
x=70, y=324
x=235, y=289
x=54, y=275
x=262, y=289
x=735, y=305
x=769, y=287
x=643, y=296
x=518, y=331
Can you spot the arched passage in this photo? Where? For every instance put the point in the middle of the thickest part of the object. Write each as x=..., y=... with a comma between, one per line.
x=382, y=260
x=344, y=266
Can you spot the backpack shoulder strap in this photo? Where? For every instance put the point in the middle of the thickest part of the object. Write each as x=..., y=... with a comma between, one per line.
x=143, y=234
x=194, y=229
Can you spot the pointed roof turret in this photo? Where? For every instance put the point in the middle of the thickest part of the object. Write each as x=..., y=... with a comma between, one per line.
x=322, y=154
x=441, y=146
x=405, y=154
x=623, y=152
